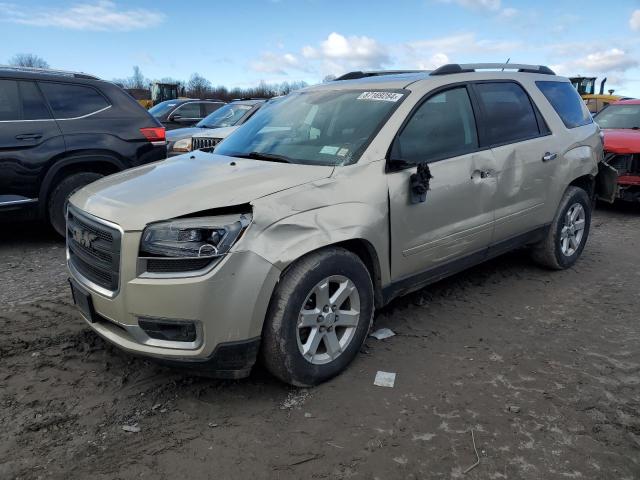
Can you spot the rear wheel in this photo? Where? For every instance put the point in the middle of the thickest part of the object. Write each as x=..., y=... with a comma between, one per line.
x=318, y=318
x=60, y=197
x=568, y=232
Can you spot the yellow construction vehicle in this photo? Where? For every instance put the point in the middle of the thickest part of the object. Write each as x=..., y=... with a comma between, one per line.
x=586, y=87
x=159, y=92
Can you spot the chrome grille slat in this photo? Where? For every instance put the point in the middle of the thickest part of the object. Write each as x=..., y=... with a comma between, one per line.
x=94, y=249
x=199, y=143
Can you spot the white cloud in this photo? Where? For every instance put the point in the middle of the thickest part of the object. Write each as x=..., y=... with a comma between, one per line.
x=493, y=5
x=605, y=61
x=634, y=21
x=270, y=62
x=464, y=42
x=100, y=15
x=338, y=53
x=436, y=60
x=508, y=13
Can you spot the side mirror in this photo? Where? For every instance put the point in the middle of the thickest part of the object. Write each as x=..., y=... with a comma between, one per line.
x=419, y=183
x=175, y=117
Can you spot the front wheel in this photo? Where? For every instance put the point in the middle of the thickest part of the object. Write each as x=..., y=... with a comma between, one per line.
x=318, y=318
x=568, y=232
x=59, y=198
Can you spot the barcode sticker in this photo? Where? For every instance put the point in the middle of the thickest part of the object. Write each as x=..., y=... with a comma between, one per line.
x=380, y=96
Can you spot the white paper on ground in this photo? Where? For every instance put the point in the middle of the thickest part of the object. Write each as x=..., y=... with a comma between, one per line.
x=382, y=333
x=385, y=379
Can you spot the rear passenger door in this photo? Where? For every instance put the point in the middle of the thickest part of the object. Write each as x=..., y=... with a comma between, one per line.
x=525, y=154
x=29, y=138
x=455, y=222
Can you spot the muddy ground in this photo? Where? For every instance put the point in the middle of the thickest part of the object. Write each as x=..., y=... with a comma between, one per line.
x=544, y=367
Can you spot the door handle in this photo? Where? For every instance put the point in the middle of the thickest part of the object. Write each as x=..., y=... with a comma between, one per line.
x=547, y=157
x=29, y=136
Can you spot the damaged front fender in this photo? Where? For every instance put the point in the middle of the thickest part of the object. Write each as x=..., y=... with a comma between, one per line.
x=292, y=223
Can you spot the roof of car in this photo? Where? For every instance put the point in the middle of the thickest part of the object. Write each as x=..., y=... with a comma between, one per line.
x=398, y=79
x=630, y=101
x=43, y=73
x=249, y=101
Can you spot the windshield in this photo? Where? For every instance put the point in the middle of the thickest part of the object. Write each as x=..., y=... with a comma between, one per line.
x=619, y=116
x=226, y=116
x=326, y=127
x=162, y=108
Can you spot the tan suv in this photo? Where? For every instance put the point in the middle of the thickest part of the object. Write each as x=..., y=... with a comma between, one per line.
x=326, y=205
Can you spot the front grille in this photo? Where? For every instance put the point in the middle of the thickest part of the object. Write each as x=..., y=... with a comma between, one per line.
x=625, y=164
x=94, y=249
x=200, y=143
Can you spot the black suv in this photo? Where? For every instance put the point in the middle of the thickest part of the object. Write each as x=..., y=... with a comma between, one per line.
x=183, y=112
x=61, y=131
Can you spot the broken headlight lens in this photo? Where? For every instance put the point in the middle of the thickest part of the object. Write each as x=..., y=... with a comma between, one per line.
x=189, y=243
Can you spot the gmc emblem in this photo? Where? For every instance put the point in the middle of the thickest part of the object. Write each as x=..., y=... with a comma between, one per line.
x=83, y=237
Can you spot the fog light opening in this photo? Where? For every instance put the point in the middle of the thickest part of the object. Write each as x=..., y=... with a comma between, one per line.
x=169, y=330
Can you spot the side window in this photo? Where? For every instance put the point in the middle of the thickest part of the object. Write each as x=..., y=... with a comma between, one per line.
x=189, y=110
x=210, y=107
x=72, y=101
x=33, y=104
x=442, y=127
x=566, y=102
x=9, y=100
x=509, y=114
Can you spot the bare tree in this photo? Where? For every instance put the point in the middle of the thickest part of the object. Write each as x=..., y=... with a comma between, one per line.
x=137, y=79
x=28, y=60
x=198, y=86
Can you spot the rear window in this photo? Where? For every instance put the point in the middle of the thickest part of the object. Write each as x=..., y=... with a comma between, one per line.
x=72, y=101
x=9, y=100
x=567, y=103
x=509, y=115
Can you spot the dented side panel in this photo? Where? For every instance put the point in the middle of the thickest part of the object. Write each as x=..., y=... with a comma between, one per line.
x=351, y=205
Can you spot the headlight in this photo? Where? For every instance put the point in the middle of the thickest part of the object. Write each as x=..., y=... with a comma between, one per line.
x=183, y=145
x=190, y=244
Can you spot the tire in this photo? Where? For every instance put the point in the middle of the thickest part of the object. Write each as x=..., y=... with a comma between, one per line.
x=299, y=291
x=552, y=251
x=60, y=196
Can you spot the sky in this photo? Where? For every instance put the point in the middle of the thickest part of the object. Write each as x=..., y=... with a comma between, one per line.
x=244, y=42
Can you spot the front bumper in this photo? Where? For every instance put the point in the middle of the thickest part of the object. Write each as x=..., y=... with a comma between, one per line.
x=228, y=306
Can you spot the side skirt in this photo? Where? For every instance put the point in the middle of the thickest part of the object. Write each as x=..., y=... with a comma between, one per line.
x=420, y=280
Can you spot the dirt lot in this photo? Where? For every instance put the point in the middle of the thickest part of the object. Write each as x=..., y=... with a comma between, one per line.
x=544, y=367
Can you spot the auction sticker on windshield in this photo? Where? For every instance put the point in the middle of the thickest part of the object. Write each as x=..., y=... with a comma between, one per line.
x=380, y=96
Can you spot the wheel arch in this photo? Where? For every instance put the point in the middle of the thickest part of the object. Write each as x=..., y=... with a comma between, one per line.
x=79, y=162
x=366, y=252
x=586, y=183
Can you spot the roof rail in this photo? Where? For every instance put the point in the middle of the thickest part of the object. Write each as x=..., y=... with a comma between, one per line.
x=48, y=71
x=472, y=67
x=374, y=73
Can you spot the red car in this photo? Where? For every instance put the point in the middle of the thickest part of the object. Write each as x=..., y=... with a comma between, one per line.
x=620, y=122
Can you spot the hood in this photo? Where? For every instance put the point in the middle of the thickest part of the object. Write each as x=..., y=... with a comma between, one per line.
x=187, y=184
x=622, y=140
x=180, y=133
x=222, y=132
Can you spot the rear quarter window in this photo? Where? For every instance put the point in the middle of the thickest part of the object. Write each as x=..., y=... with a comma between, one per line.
x=567, y=103
x=72, y=101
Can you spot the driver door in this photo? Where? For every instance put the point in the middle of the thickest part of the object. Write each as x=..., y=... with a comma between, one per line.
x=453, y=226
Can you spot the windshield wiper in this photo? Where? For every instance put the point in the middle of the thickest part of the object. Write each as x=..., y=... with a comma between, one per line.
x=270, y=157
